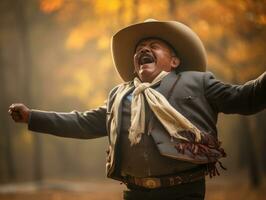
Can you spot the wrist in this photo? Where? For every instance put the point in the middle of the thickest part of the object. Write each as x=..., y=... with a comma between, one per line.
x=28, y=116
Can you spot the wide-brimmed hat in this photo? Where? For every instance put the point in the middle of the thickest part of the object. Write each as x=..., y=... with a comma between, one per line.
x=186, y=43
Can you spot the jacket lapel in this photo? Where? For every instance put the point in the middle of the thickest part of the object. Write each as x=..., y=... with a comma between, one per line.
x=120, y=108
x=167, y=83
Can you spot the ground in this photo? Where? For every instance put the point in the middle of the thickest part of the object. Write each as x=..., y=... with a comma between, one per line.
x=221, y=188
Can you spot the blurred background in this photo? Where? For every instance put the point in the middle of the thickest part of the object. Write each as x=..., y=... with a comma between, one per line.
x=55, y=55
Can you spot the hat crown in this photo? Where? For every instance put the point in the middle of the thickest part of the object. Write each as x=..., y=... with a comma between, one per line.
x=185, y=41
x=151, y=20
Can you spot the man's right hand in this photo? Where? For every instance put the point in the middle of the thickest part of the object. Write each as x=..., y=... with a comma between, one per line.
x=19, y=112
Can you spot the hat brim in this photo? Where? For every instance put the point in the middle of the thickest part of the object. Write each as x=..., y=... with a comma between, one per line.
x=187, y=44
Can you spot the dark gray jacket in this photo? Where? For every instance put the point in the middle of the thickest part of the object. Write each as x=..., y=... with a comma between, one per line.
x=196, y=95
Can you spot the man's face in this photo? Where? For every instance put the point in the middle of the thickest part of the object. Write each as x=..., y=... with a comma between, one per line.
x=152, y=56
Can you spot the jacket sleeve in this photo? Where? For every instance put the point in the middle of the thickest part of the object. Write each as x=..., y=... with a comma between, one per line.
x=85, y=125
x=246, y=99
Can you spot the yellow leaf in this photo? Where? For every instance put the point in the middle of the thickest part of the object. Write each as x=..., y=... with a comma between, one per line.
x=49, y=6
x=104, y=42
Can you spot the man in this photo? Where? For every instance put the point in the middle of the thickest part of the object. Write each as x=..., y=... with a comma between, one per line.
x=161, y=123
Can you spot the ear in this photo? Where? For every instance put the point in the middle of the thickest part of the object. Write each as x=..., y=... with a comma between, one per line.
x=175, y=62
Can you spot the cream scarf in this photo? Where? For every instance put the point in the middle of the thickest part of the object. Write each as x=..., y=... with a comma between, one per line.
x=171, y=119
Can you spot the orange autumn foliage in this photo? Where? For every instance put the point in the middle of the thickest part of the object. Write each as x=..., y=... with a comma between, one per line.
x=228, y=29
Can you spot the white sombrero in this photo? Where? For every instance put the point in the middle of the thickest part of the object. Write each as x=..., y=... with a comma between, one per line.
x=185, y=42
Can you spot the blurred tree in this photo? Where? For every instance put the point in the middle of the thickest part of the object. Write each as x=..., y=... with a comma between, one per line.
x=7, y=172
x=248, y=154
x=172, y=7
x=23, y=29
x=262, y=139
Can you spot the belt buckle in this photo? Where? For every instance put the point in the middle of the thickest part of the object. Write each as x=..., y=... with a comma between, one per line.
x=151, y=183
x=179, y=180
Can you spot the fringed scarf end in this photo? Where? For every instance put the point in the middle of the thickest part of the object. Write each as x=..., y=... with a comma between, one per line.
x=208, y=147
x=212, y=170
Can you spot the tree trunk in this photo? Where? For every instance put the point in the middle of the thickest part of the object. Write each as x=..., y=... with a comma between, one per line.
x=5, y=131
x=249, y=151
x=135, y=9
x=172, y=5
x=262, y=138
x=23, y=29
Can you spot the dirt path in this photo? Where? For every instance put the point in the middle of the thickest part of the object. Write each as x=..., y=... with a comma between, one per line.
x=219, y=189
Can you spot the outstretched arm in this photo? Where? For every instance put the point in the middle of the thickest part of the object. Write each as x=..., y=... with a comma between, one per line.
x=89, y=124
x=246, y=99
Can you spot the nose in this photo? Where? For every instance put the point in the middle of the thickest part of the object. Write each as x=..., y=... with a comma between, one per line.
x=145, y=49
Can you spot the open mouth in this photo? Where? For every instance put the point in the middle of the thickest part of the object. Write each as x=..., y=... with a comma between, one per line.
x=146, y=59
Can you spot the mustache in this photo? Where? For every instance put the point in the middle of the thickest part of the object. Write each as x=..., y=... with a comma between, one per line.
x=139, y=55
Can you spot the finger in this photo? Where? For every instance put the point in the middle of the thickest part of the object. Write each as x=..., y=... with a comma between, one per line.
x=13, y=107
x=15, y=118
x=10, y=111
x=16, y=107
x=16, y=114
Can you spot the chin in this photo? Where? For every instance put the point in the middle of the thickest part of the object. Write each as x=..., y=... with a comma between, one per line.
x=147, y=77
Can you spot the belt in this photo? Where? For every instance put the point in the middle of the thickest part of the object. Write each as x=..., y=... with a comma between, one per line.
x=164, y=181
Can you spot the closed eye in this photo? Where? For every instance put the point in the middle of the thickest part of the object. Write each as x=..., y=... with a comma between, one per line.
x=154, y=45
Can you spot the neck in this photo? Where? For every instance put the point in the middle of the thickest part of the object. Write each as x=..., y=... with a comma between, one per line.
x=159, y=77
